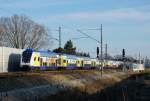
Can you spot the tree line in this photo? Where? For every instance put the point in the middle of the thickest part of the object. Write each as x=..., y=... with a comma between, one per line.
x=70, y=49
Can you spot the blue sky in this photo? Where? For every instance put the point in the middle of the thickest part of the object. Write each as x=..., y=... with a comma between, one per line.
x=125, y=22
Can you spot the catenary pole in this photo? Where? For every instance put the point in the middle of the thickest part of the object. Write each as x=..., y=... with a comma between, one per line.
x=59, y=37
x=106, y=54
x=101, y=50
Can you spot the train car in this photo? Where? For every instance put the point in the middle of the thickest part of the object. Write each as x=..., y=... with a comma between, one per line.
x=136, y=67
x=46, y=60
x=87, y=63
x=71, y=62
x=74, y=62
x=39, y=59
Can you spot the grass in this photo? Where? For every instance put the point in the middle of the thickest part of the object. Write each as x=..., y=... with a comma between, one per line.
x=80, y=85
x=10, y=81
x=128, y=89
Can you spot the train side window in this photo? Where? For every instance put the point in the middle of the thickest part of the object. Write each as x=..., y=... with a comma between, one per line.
x=34, y=58
x=59, y=61
x=45, y=63
x=64, y=61
x=38, y=58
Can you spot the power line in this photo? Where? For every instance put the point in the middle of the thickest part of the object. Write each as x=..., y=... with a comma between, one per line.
x=87, y=35
x=79, y=38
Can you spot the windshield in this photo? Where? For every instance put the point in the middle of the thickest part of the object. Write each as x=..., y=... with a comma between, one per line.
x=26, y=56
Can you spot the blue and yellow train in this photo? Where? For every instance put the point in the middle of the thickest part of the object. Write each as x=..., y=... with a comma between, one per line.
x=46, y=60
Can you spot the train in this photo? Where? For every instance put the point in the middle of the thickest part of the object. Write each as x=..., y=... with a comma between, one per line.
x=48, y=60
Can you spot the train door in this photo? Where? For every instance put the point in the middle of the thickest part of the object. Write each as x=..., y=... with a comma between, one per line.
x=55, y=60
x=82, y=63
x=41, y=62
x=64, y=62
x=58, y=62
x=77, y=63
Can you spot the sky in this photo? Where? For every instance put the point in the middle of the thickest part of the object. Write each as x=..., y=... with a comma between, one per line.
x=125, y=22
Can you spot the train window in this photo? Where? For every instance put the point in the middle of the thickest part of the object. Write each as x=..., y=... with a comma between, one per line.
x=34, y=58
x=64, y=61
x=38, y=58
x=26, y=56
x=45, y=63
x=59, y=61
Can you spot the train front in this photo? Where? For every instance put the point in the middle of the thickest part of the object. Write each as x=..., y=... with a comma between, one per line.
x=26, y=58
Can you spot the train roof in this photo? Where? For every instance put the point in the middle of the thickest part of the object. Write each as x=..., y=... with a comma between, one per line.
x=77, y=57
x=71, y=56
x=48, y=53
x=42, y=53
x=53, y=54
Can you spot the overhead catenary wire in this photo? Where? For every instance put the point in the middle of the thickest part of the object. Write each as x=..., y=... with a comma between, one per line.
x=78, y=38
x=88, y=35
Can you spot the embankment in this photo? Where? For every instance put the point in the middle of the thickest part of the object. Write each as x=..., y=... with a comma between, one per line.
x=60, y=85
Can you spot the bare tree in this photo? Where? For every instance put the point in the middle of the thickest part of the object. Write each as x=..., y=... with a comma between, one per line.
x=1, y=35
x=21, y=32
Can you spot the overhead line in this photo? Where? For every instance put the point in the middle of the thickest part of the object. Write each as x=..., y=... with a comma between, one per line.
x=79, y=38
x=87, y=35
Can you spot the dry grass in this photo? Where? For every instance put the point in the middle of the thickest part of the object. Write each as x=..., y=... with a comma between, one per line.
x=83, y=80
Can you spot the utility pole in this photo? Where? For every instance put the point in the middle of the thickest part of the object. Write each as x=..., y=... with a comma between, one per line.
x=123, y=57
x=59, y=37
x=60, y=62
x=139, y=58
x=105, y=54
x=101, y=50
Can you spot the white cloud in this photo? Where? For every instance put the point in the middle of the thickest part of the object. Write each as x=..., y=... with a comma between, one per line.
x=111, y=15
